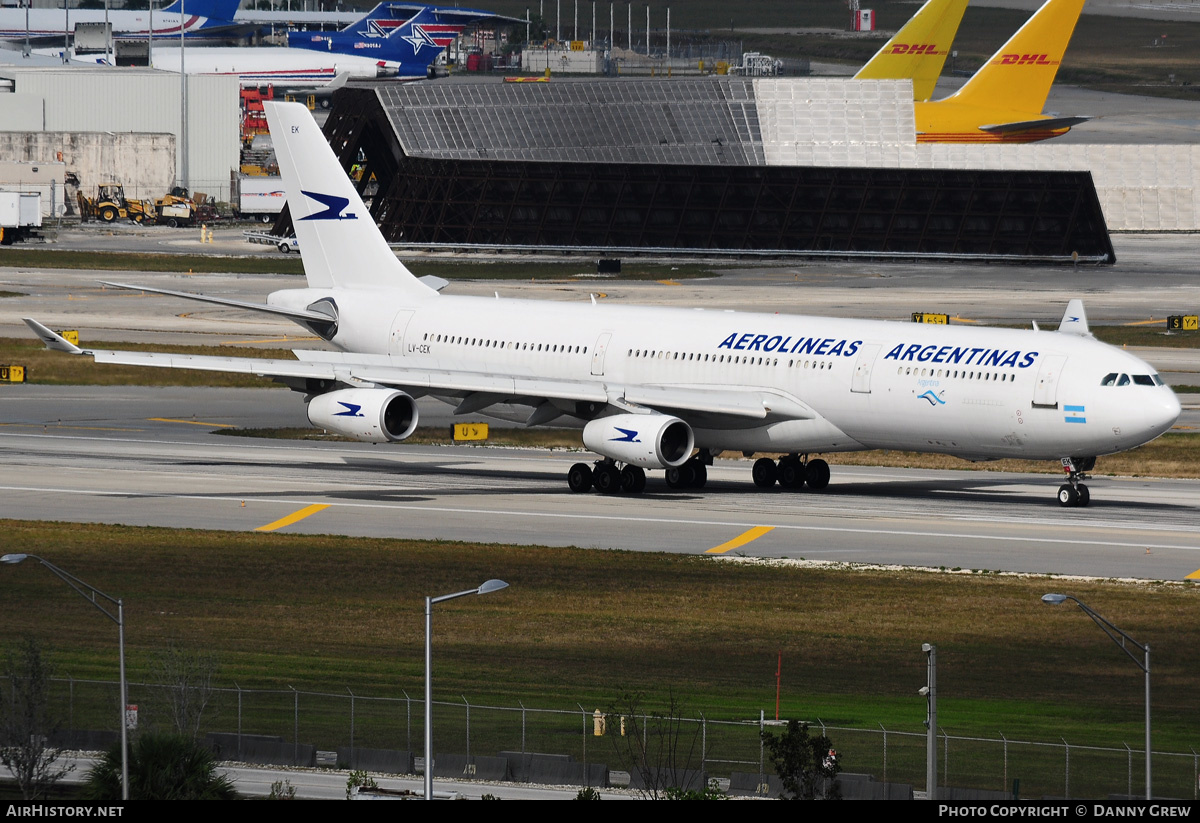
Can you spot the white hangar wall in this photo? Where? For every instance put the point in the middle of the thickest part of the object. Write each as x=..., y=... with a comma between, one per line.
x=132, y=100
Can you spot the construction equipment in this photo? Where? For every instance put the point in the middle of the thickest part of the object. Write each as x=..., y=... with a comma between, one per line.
x=176, y=209
x=110, y=204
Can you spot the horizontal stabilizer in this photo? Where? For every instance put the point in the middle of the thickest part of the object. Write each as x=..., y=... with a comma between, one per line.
x=1048, y=124
x=299, y=315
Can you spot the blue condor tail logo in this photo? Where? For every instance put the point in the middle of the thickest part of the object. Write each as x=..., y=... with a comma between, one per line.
x=352, y=410
x=334, y=207
x=629, y=436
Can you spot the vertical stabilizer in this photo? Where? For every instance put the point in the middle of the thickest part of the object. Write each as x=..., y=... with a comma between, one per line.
x=1018, y=77
x=339, y=242
x=919, y=49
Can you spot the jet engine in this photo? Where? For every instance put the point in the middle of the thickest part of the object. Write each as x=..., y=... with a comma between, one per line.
x=652, y=441
x=373, y=415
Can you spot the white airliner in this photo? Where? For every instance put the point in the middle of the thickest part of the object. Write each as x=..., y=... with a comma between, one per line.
x=652, y=385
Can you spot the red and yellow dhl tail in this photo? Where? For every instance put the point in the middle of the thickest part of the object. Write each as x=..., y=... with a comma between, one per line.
x=919, y=49
x=1003, y=101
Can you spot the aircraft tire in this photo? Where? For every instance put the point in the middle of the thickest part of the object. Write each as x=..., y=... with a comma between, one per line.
x=633, y=480
x=699, y=474
x=607, y=479
x=579, y=478
x=816, y=474
x=1067, y=496
x=681, y=477
x=765, y=473
x=1085, y=496
x=791, y=473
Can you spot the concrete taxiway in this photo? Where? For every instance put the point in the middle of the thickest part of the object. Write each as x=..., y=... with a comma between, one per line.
x=148, y=457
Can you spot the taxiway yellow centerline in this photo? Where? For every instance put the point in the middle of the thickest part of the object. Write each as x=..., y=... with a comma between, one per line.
x=191, y=422
x=741, y=540
x=1194, y=575
x=294, y=517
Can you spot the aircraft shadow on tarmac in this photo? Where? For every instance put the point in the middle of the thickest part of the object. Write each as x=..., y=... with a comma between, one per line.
x=983, y=488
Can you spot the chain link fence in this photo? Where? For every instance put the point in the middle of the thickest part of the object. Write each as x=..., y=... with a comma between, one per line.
x=346, y=721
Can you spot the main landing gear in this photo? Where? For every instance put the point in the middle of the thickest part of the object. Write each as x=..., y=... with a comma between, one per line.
x=791, y=472
x=1073, y=492
x=606, y=478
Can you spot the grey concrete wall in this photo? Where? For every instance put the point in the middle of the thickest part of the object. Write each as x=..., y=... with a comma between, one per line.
x=143, y=163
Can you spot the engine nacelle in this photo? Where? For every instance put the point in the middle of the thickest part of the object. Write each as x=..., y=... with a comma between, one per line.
x=652, y=441
x=373, y=415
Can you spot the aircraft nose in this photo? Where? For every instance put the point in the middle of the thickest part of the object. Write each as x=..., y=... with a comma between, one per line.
x=1162, y=415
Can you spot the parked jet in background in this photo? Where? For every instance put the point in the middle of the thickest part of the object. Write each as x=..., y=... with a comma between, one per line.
x=199, y=18
x=367, y=34
x=919, y=49
x=396, y=57
x=1003, y=101
x=651, y=384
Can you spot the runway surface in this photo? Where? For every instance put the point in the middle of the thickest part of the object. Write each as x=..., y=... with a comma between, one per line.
x=147, y=457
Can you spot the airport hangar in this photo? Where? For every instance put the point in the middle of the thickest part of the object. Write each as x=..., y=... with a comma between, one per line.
x=721, y=165
x=749, y=166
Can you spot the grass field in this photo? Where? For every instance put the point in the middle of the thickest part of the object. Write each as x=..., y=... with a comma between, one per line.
x=584, y=626
x=278, y=264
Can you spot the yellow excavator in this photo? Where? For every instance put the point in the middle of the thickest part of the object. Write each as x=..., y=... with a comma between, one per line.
x=110, y=204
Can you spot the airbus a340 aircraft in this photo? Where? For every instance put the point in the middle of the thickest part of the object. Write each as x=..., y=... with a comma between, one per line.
x=652, y=385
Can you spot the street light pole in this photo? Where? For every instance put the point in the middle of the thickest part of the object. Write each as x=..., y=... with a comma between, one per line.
x=929, y=692
x=89, y=593
x=486, y=588
x=1119, y=637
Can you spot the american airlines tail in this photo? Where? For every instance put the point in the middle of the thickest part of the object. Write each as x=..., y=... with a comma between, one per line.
x=919, y=49
x=339, y=242
x=1003, y=101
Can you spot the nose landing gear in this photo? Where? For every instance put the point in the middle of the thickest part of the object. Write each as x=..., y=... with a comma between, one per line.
x=1073, y=492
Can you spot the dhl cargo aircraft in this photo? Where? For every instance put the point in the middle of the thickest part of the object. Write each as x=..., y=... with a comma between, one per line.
x=667, y=388
x=919, y=49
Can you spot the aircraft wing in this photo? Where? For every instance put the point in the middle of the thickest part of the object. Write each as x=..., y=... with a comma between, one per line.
x=477, y=389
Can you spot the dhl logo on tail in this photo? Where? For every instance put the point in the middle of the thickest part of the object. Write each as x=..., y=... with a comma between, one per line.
x=918, y=51
x=916, y=48
x=1025, y=60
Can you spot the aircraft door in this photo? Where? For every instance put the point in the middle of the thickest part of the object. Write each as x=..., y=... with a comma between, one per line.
x=863, y=366
x=1045, y=391
x=599, y=351
x=399, y=326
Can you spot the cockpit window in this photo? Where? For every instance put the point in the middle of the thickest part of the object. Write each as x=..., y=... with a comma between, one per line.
x=1158, y=381
x=1109, y=379
x=1143, y=380
x=1123, y=380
